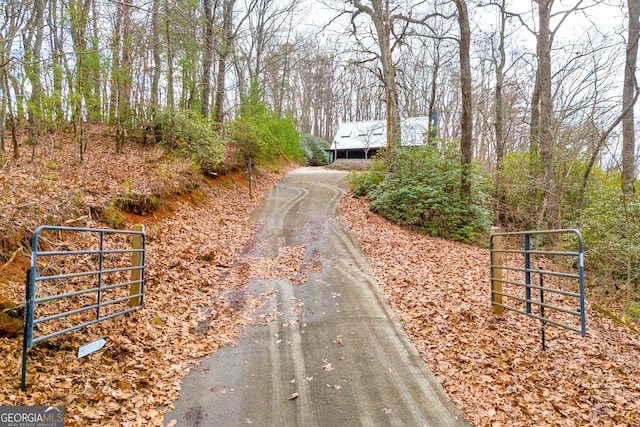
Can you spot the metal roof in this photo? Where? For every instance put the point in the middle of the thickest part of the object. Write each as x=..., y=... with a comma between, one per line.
x=373, y=134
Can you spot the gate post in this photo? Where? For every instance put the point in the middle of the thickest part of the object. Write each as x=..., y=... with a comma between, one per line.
x=496, y=271
x=136, y=261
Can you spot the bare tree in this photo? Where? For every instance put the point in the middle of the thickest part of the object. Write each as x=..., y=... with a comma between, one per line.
x=380, y=15
x=629, y=97
x=207, y=57
x=225, y=48
x=32, y=39
x=466, y=141
x=14, y=16
x=123, y=75
x=156, y=47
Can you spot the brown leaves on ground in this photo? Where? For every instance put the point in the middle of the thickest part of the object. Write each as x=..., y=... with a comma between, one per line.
x=187, y=312
x=493, y=368
x=288, y=264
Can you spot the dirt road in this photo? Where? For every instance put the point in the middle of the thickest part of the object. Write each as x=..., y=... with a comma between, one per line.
x=329, y=351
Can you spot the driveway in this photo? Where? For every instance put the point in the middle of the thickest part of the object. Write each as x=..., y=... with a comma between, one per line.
x=326, y=349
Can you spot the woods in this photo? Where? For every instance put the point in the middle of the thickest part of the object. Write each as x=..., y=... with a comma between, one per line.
x=537, y=97
x=104, y=104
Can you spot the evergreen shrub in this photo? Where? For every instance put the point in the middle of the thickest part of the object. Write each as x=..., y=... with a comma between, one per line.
x=314, y=150
x=286, y=139
x=610, y=226
x=193, y=137
x=424, y=191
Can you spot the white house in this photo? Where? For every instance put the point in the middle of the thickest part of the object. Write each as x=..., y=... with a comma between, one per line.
x=361, y=140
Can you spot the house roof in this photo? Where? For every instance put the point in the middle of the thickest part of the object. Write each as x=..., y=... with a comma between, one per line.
x=373, y=134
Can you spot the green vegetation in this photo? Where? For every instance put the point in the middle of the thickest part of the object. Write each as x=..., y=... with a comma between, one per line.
x=424, y=191
x=111, y=215
x=192, y=137
x=283, y=138
x=609, y=221
x=257, y=134
x=610, y=225
x=314, y=150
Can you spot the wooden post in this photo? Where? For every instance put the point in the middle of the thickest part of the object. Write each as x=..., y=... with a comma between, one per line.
x=250, y=172
x=136, y=261
x=496, y=272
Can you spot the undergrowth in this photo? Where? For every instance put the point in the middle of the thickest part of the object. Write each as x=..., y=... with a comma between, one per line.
x=424, y=191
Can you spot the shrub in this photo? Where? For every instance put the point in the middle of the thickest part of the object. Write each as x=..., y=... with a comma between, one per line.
x=286, y=139
x=610, y=226
x=523, y=195
x=362, y=183
x=249, y=141
x=193, y=137
x=424, y=191
x=314, y=150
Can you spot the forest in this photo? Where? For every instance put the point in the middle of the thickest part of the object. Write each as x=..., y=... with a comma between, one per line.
x=535, y=100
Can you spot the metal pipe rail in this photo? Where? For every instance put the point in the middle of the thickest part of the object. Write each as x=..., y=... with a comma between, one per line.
x=96, y=297
x=507, y=300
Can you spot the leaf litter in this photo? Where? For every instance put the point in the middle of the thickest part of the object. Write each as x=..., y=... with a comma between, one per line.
x=191, y=249
x=493, y=367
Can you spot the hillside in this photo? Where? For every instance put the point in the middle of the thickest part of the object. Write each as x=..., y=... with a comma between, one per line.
x=196, y=231
x=493, y=369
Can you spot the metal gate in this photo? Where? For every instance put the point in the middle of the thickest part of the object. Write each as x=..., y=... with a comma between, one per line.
x=72, y=283
x=546, y=284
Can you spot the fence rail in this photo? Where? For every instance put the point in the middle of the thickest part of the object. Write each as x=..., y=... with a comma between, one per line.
x=71, y=289
x=563, y=289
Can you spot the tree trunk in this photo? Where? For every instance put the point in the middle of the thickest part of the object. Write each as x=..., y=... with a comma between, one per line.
x=4, y=106
x=124, y=79
x=628, y=99
x=170, y=97
x=207, y=58
x=433, y=131
x=11, y=118
x=115, y=67
x=223, y=53
x=57, y=60
x=466, y=140
x=534, y=129
x=32, y=43
x=157, y=58
x=93, y=69
x=551, y=215
x=381, y=18
x=19, y=99
x=499, y=107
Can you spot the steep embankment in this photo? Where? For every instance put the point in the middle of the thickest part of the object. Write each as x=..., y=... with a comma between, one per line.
x=195, y=229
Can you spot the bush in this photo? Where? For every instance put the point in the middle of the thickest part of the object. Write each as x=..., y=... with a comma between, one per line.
x=424, y=191
x=523, y=195
x=249, y=141
x=314, y=150
x=286, y=139
x=363, y=183
x=193, y=137
x=610, y=226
